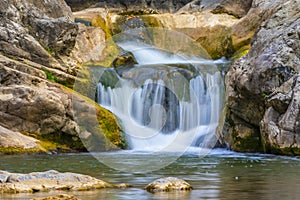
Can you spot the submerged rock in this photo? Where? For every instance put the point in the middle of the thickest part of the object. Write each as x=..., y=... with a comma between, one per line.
x=47, y=181
x=168, y=184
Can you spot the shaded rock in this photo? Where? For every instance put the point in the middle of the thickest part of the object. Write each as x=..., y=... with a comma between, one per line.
x=168, y=184
x=233, y=7
x=49, y=180
x=161, y=5
x=262, y=87
x=58, y=197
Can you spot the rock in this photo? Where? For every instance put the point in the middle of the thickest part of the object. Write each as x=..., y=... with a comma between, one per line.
x=49, y=180
x=90, y=43
x=129, y=5
x=56, y=35
x=10, y=139
x=233, y=7
x=168, y=184
x=58, y=197
x=212, y=32
x=262, y=87
x=36, y=38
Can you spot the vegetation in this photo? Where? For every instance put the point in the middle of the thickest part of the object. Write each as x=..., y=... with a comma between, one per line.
x=50, y=76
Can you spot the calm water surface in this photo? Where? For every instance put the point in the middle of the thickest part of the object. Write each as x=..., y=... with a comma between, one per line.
x=220, y=175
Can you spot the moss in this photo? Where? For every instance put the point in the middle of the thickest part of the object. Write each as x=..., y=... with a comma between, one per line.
x=50, y=76
x=249, y=143
x=50, y=50
x=106, y=132
x=15, y=150
x=110, y=127
x=151, y=21
x=289, y=151
x=60, y=142
x=241, y=52
x=98, y=21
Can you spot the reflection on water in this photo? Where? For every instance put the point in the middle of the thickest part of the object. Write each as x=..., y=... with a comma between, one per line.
x=220, y=175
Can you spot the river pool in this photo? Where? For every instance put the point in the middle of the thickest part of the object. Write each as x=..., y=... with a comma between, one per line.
x=221, y=174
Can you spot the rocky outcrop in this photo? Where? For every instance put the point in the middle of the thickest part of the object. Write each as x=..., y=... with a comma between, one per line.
x=47, y=181
x=212, y=31
x=37, y=65
x=263, y=86
x=168, y=184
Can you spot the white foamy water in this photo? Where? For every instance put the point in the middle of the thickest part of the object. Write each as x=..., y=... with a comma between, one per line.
x=153, y=116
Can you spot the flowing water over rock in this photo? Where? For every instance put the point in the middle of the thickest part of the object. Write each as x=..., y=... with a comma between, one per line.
x=166, y=102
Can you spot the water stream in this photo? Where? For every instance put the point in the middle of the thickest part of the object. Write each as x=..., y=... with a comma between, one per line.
x=161, y=107
x=221, y=174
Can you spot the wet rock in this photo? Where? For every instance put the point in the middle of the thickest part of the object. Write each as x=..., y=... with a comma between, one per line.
x=168, y=184
x=49, y=180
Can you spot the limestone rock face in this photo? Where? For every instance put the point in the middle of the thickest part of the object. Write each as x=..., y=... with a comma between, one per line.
x=36, y=39
x=168, y=184
x=263, y=86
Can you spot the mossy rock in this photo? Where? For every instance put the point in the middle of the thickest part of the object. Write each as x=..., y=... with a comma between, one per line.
x=99, y=21
x=102, y=126
x=16, y=150
x=290, y=151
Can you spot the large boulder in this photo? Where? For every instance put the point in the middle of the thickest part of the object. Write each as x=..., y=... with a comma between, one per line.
x=263, y=86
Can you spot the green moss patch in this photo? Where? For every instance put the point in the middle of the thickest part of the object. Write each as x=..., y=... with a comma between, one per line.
x=16, y=150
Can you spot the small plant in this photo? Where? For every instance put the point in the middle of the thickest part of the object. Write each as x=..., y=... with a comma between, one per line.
x=265, y=96
x=50, y=50
x=50, y=76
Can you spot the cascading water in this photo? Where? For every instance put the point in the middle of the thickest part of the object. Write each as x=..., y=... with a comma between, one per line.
x=160, y=107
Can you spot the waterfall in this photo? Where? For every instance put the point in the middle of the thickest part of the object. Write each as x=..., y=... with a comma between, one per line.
x=161, y=113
